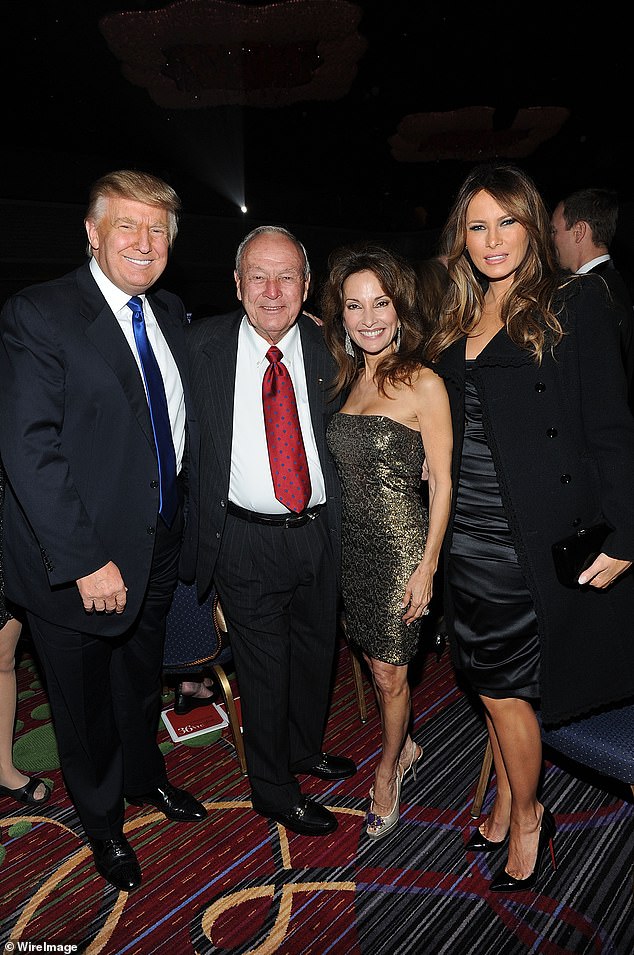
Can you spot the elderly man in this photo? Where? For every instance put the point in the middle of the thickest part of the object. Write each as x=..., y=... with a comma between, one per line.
x=92, y=430
x=268, y=519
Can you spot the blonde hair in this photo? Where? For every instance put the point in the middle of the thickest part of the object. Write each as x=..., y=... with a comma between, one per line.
x=139, y=187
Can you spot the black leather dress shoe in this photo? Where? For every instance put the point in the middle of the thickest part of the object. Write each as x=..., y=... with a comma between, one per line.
x=185, y=702
x=176, y=804
x=116, y=862
x=331, y=767
x=306, y=817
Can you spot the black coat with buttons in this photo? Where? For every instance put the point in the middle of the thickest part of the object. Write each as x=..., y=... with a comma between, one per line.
x=562, y=439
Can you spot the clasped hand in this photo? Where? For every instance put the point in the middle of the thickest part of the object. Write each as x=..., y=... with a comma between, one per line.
x=103, y=591
x=604, y=571
x=417, y=595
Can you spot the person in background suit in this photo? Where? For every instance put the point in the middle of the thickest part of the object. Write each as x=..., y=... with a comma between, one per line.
x=274, y=565
x=583, y=227
x=93, y=522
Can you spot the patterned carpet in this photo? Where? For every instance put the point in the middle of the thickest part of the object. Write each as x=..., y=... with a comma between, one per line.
x=237, y=884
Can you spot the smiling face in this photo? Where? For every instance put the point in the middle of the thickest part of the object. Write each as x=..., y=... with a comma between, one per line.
x=496, y=242
x=130, y=241
x=272, y=284
x=368, y=313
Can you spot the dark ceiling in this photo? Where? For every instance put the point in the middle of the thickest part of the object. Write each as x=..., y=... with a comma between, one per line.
x=70, y=114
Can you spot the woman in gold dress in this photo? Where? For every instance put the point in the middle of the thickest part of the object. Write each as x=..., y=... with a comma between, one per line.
x=395, y=419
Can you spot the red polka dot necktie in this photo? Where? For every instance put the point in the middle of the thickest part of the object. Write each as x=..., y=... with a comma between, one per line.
x=287, y=457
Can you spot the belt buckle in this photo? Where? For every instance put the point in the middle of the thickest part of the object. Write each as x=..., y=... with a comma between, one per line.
x=297, y=521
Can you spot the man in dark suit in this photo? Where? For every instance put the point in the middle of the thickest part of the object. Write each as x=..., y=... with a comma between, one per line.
x=275, y=565
x=584, y=226
x=92, y=435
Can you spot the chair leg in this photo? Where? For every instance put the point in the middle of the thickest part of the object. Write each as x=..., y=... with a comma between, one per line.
x=357, y=674
x=358, y=684
x=483, y=781
x=232, y=715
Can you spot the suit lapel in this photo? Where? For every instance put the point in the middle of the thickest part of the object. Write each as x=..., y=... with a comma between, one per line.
x=318, y=375
x=218, y=380
x=105, y=334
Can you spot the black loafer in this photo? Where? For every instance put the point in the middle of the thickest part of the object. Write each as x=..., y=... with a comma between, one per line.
x=116, y=862
x=307, y=817
x=185, y=702
x=331, y=767
x=176, y=804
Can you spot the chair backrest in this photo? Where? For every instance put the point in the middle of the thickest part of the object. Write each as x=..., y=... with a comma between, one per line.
x=604, y=742
x=192, y=637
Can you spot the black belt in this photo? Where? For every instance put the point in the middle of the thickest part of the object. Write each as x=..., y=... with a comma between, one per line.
x=275, y=520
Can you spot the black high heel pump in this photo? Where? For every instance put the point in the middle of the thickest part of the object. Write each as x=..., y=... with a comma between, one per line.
x=503, y=882
x=480, y=843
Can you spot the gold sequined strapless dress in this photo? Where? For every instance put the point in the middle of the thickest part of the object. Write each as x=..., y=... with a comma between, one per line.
x=384, y=529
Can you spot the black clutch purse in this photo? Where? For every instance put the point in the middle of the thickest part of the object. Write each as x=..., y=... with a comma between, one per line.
x=573, y=554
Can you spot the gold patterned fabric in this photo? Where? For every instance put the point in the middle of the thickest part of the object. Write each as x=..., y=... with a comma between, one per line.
x=384, y=529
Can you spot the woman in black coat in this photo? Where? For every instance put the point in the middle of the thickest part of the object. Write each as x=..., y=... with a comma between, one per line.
x=544, y=446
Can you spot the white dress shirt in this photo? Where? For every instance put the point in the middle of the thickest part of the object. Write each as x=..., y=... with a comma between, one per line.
x=251, y=484
x=592, y=263
x=118, y=302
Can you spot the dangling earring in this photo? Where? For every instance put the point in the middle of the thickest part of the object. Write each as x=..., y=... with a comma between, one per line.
x=348, y=345
x=397, y=339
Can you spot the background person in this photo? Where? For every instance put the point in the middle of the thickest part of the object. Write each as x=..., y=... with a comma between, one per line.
x=13, y=783
x=544, y=445
x=272, y=551
x=583, y=227
x=93, y=522
x=395, y=414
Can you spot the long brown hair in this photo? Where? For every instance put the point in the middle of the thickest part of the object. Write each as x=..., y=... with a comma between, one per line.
x=398, y=280
x=528, y=310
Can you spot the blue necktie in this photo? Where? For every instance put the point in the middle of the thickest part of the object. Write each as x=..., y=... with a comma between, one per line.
x=159, y=416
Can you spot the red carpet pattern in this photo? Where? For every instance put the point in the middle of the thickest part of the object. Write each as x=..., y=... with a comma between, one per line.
x=236, y=883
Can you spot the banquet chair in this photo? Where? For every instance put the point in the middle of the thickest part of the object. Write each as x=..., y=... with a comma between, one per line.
x=196, y=637
x=603, y=742
x=357, y=674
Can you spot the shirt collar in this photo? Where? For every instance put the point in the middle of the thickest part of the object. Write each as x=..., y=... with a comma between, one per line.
x=587, y=266
x=259, y=346
x=116, y=298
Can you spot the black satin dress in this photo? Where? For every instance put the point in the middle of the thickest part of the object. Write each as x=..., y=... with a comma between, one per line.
x=497, y=642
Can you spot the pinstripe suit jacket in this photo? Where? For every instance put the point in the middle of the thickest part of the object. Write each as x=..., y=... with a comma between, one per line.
x=213, y=347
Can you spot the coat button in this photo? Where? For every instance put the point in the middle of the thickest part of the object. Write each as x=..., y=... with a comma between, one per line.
x=565, y=479
x=151, y=530
x=540, y=386
x=154, y=484
x=222, y=504
x=552, y=433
